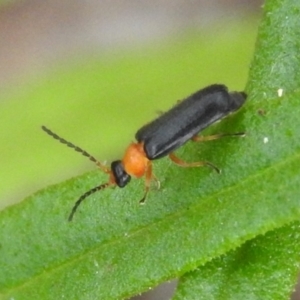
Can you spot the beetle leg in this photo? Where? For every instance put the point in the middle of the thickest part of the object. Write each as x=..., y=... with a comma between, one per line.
x=148, y=178
x=184, y=164
x=156, y=181
x=200, y=138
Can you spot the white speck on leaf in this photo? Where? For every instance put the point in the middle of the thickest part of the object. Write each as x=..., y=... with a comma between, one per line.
x=280, y=92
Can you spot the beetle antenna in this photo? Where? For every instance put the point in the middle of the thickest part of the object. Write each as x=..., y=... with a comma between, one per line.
x=76, y=148
x=84, y=196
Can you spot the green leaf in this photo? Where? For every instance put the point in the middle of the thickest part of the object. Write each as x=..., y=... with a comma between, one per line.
x=263, y=268
x=266, y=267
x=276, y=60
x=116, y=248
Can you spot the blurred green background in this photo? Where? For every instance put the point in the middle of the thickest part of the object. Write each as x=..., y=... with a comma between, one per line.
x=95, y=72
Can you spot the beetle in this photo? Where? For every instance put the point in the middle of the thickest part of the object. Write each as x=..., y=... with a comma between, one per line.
x=164, y=135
